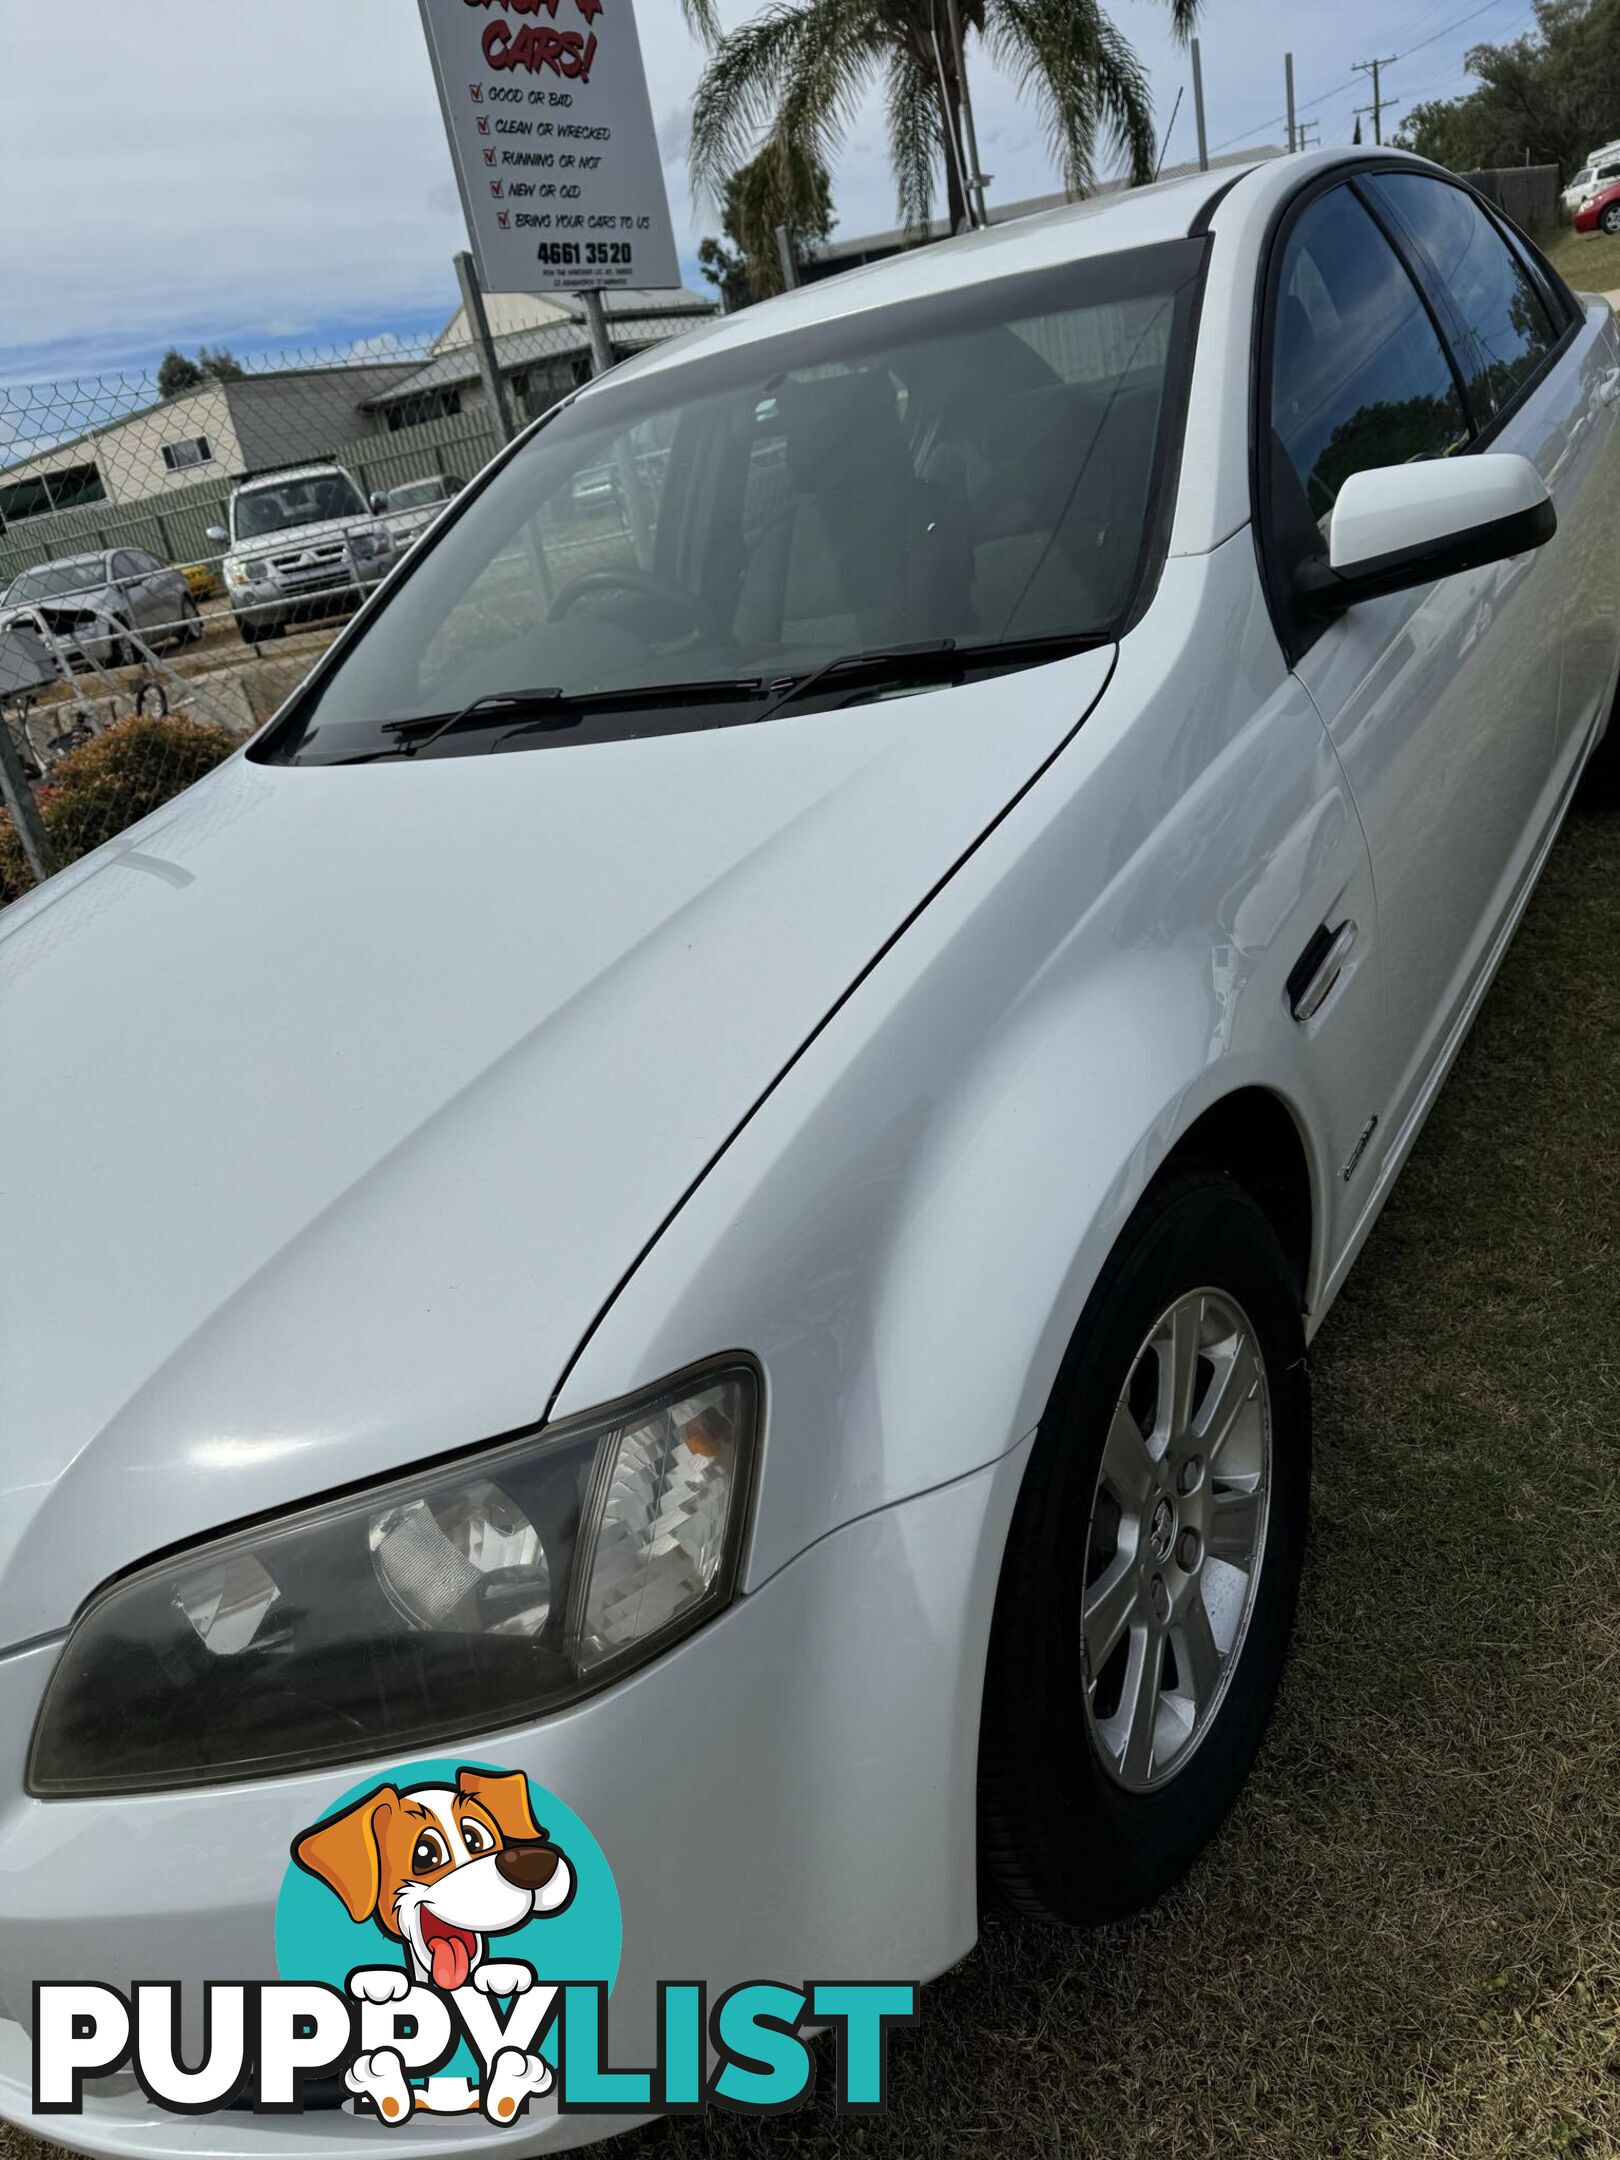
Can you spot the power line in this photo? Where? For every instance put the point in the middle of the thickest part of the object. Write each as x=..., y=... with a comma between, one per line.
x=1339, y=89
x=1446, y=28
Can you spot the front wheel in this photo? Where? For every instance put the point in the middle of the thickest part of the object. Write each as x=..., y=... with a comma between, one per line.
x=1148, y=1587
x=1610, y=219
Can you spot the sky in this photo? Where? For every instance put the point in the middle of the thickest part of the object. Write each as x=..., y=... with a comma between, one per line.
x=275, y=176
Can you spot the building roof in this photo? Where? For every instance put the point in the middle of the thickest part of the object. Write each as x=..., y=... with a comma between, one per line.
x=248, y=384
x=636, y=318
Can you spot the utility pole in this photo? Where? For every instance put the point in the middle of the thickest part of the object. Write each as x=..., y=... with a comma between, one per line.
x=1288, y=79
x=953, y=139
x=1371, y=67
x=978, y=176
x=1388, y=105
x=1198, y=107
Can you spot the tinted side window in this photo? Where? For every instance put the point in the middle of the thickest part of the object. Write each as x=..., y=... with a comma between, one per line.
x=1359, y=377
x=1489, y=287
x=125, y=565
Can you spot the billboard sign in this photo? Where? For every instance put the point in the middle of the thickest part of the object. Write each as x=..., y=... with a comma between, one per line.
x=551, y=130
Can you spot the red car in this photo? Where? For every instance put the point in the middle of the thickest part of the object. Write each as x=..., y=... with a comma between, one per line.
x=1600, y=212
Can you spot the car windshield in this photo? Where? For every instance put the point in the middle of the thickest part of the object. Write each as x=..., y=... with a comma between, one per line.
x=53, y=581
x=418, y=495
x=983, y=468
x=310, y=501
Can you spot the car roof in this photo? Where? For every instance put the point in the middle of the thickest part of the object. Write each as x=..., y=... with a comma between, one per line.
x=67, y=562
x=293, y=472
x=1102, y=224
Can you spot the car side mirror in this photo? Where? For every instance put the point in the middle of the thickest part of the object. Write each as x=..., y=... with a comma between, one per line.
x=379, y=502
x=1398, y=526
x=218, y=532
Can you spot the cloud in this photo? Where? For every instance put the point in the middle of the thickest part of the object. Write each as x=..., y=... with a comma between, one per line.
x=179, y=172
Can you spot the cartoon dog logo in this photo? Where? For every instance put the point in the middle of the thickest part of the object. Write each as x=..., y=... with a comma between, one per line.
x=441, y=1869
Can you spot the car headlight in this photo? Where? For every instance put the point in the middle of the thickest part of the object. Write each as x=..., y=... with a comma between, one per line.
x=237, y=572
x=454, y=1601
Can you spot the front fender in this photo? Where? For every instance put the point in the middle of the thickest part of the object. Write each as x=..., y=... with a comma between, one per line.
x=907, y=1229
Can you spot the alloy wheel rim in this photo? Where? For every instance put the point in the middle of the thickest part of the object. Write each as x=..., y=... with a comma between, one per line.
x=1176, y=1540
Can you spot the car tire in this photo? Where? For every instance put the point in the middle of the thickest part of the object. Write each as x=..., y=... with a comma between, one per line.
x=1610, y=220
x=1086, y=1813
x=191, y=624
x=250, y=631
x=1600, y=782
x=118, y=653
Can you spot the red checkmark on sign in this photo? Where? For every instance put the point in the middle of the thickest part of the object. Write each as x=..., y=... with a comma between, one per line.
x=497, y=187
x=503, y=218
x=489, y=157
x=477, y=90
x=483, y=123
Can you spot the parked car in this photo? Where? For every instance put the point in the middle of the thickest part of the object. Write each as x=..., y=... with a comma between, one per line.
x=201, y=582
x=302, y=543
x=605, y=484
x=1601, y=211
x=1600, y=168
x=411, y=508
x=733, y=1153
x=92, y=604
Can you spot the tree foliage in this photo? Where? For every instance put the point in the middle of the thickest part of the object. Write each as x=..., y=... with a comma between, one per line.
x=779, y=187
x=95, y=791
x=214, y=363
x=790, y=78
x=1549, y=96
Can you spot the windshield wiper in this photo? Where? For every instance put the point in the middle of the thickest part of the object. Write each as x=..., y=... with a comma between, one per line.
x=906, y=663
x=553, y=709
x=880, y=658
x=556, y=709
x=515, y=699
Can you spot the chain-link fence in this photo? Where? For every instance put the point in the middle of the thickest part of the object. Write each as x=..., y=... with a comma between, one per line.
x=177, y=547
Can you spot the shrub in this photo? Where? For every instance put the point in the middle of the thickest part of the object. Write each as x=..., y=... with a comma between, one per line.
x=92, y=793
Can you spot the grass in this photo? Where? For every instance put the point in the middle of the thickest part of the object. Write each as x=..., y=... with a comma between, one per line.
x=1406, y=1944
x=1588, y=261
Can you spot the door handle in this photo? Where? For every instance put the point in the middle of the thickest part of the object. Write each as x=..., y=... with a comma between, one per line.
x=1318, y=968
x=1609, y=388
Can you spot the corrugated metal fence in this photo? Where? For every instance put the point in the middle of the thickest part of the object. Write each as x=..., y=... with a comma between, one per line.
x=174, y=526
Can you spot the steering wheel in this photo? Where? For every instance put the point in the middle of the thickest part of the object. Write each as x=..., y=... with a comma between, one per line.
x=628, y=577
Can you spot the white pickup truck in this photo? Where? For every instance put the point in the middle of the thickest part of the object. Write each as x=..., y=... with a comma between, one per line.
x=301, y=543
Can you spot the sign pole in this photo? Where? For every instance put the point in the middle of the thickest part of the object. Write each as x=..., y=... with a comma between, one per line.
x=483, y=344
x=19, y=798
x=596, y=324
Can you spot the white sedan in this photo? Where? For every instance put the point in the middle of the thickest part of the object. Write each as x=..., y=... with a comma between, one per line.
x=706, y=1172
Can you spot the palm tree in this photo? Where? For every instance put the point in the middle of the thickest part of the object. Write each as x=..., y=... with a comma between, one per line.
x=791, y=77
